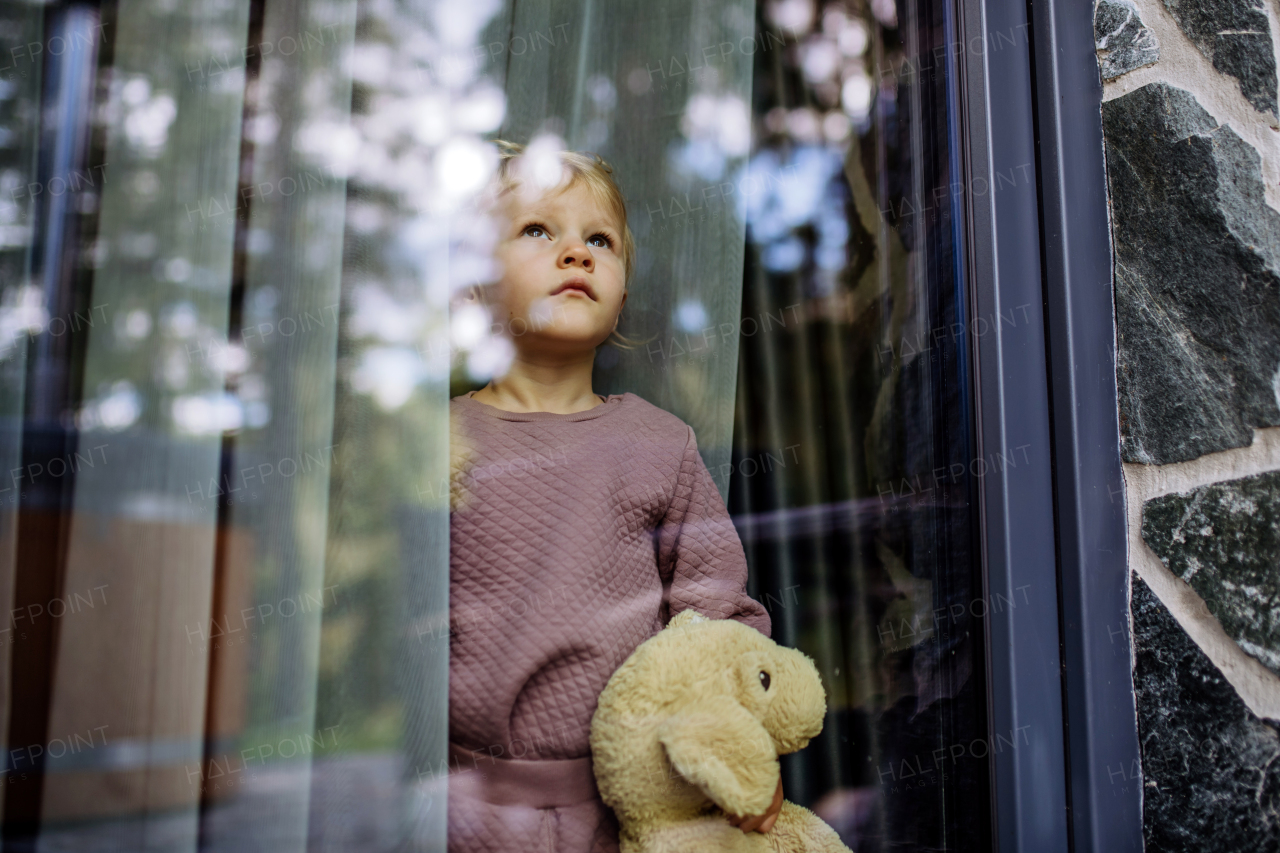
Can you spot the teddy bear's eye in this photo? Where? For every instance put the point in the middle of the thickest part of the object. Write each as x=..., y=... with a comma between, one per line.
x=764, y=680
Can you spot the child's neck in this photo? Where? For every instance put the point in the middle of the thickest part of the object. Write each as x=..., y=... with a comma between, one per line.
x=539, y=385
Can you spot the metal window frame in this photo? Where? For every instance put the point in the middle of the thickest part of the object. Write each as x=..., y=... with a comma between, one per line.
x=1060, y=663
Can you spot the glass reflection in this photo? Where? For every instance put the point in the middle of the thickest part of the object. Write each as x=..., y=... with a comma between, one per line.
x=852, y=397
x=231, y=237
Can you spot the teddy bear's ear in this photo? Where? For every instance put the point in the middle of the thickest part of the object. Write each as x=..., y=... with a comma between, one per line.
x=716, y=745
x=686, y=617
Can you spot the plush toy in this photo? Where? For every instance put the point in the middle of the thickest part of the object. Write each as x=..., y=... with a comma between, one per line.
x=689, y=730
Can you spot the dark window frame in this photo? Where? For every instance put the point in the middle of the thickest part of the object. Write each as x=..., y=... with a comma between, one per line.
x=1061, y=664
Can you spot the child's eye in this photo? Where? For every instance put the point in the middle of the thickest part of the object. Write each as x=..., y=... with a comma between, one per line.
x=534, y=230
x=600, y=241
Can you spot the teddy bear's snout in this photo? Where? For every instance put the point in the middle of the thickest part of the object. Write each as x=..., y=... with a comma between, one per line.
x=798, y=702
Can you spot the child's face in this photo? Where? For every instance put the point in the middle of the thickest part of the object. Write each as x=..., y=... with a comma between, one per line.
x=562, y=282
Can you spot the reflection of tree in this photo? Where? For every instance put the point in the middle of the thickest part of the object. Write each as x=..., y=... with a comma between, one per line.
x=390, y=407
x=867, y=413
x=21, y=309
x=19, y=125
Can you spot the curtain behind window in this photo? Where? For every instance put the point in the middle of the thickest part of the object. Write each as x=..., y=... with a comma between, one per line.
x=222, y=635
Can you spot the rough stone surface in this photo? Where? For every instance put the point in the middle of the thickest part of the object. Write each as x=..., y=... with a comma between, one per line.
x=1197, y=279
x=1224, y=540
x=1122, y=41
x=1211, y=769
x=1233, y=34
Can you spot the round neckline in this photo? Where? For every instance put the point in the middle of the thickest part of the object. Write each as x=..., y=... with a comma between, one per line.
x=609, y=404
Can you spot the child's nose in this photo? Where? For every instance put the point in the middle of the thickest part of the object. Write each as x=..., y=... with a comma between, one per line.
x=578, y=256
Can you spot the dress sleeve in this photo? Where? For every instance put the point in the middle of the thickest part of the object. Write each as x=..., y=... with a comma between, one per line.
x=700, y=556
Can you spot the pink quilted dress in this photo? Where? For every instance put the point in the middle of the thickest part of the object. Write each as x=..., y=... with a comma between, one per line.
x=573, y=539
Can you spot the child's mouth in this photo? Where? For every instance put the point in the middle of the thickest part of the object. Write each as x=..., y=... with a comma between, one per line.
x=575, y=284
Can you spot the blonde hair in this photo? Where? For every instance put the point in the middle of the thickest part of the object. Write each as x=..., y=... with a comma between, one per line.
x=591, y=171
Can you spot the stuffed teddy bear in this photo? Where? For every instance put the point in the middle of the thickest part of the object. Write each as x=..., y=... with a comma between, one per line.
x=689, y=730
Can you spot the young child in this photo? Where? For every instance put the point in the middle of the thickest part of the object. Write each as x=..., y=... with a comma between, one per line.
x=580, y=525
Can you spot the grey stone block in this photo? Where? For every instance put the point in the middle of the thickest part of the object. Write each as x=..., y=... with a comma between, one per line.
x=1197, y=278
x=1122, y=41
x=1224, y=540
x=1234, y=36
x=1211, y=774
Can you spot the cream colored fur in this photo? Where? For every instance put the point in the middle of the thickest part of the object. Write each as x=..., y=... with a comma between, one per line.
x=686, y=733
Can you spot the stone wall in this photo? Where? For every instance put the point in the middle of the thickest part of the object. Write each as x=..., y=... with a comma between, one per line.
x=1192, y=130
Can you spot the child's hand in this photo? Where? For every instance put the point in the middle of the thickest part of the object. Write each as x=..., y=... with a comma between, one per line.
x=764, y=822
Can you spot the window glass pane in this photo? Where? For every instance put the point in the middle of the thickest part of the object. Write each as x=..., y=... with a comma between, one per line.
x=238, y=239
x=853, y=467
